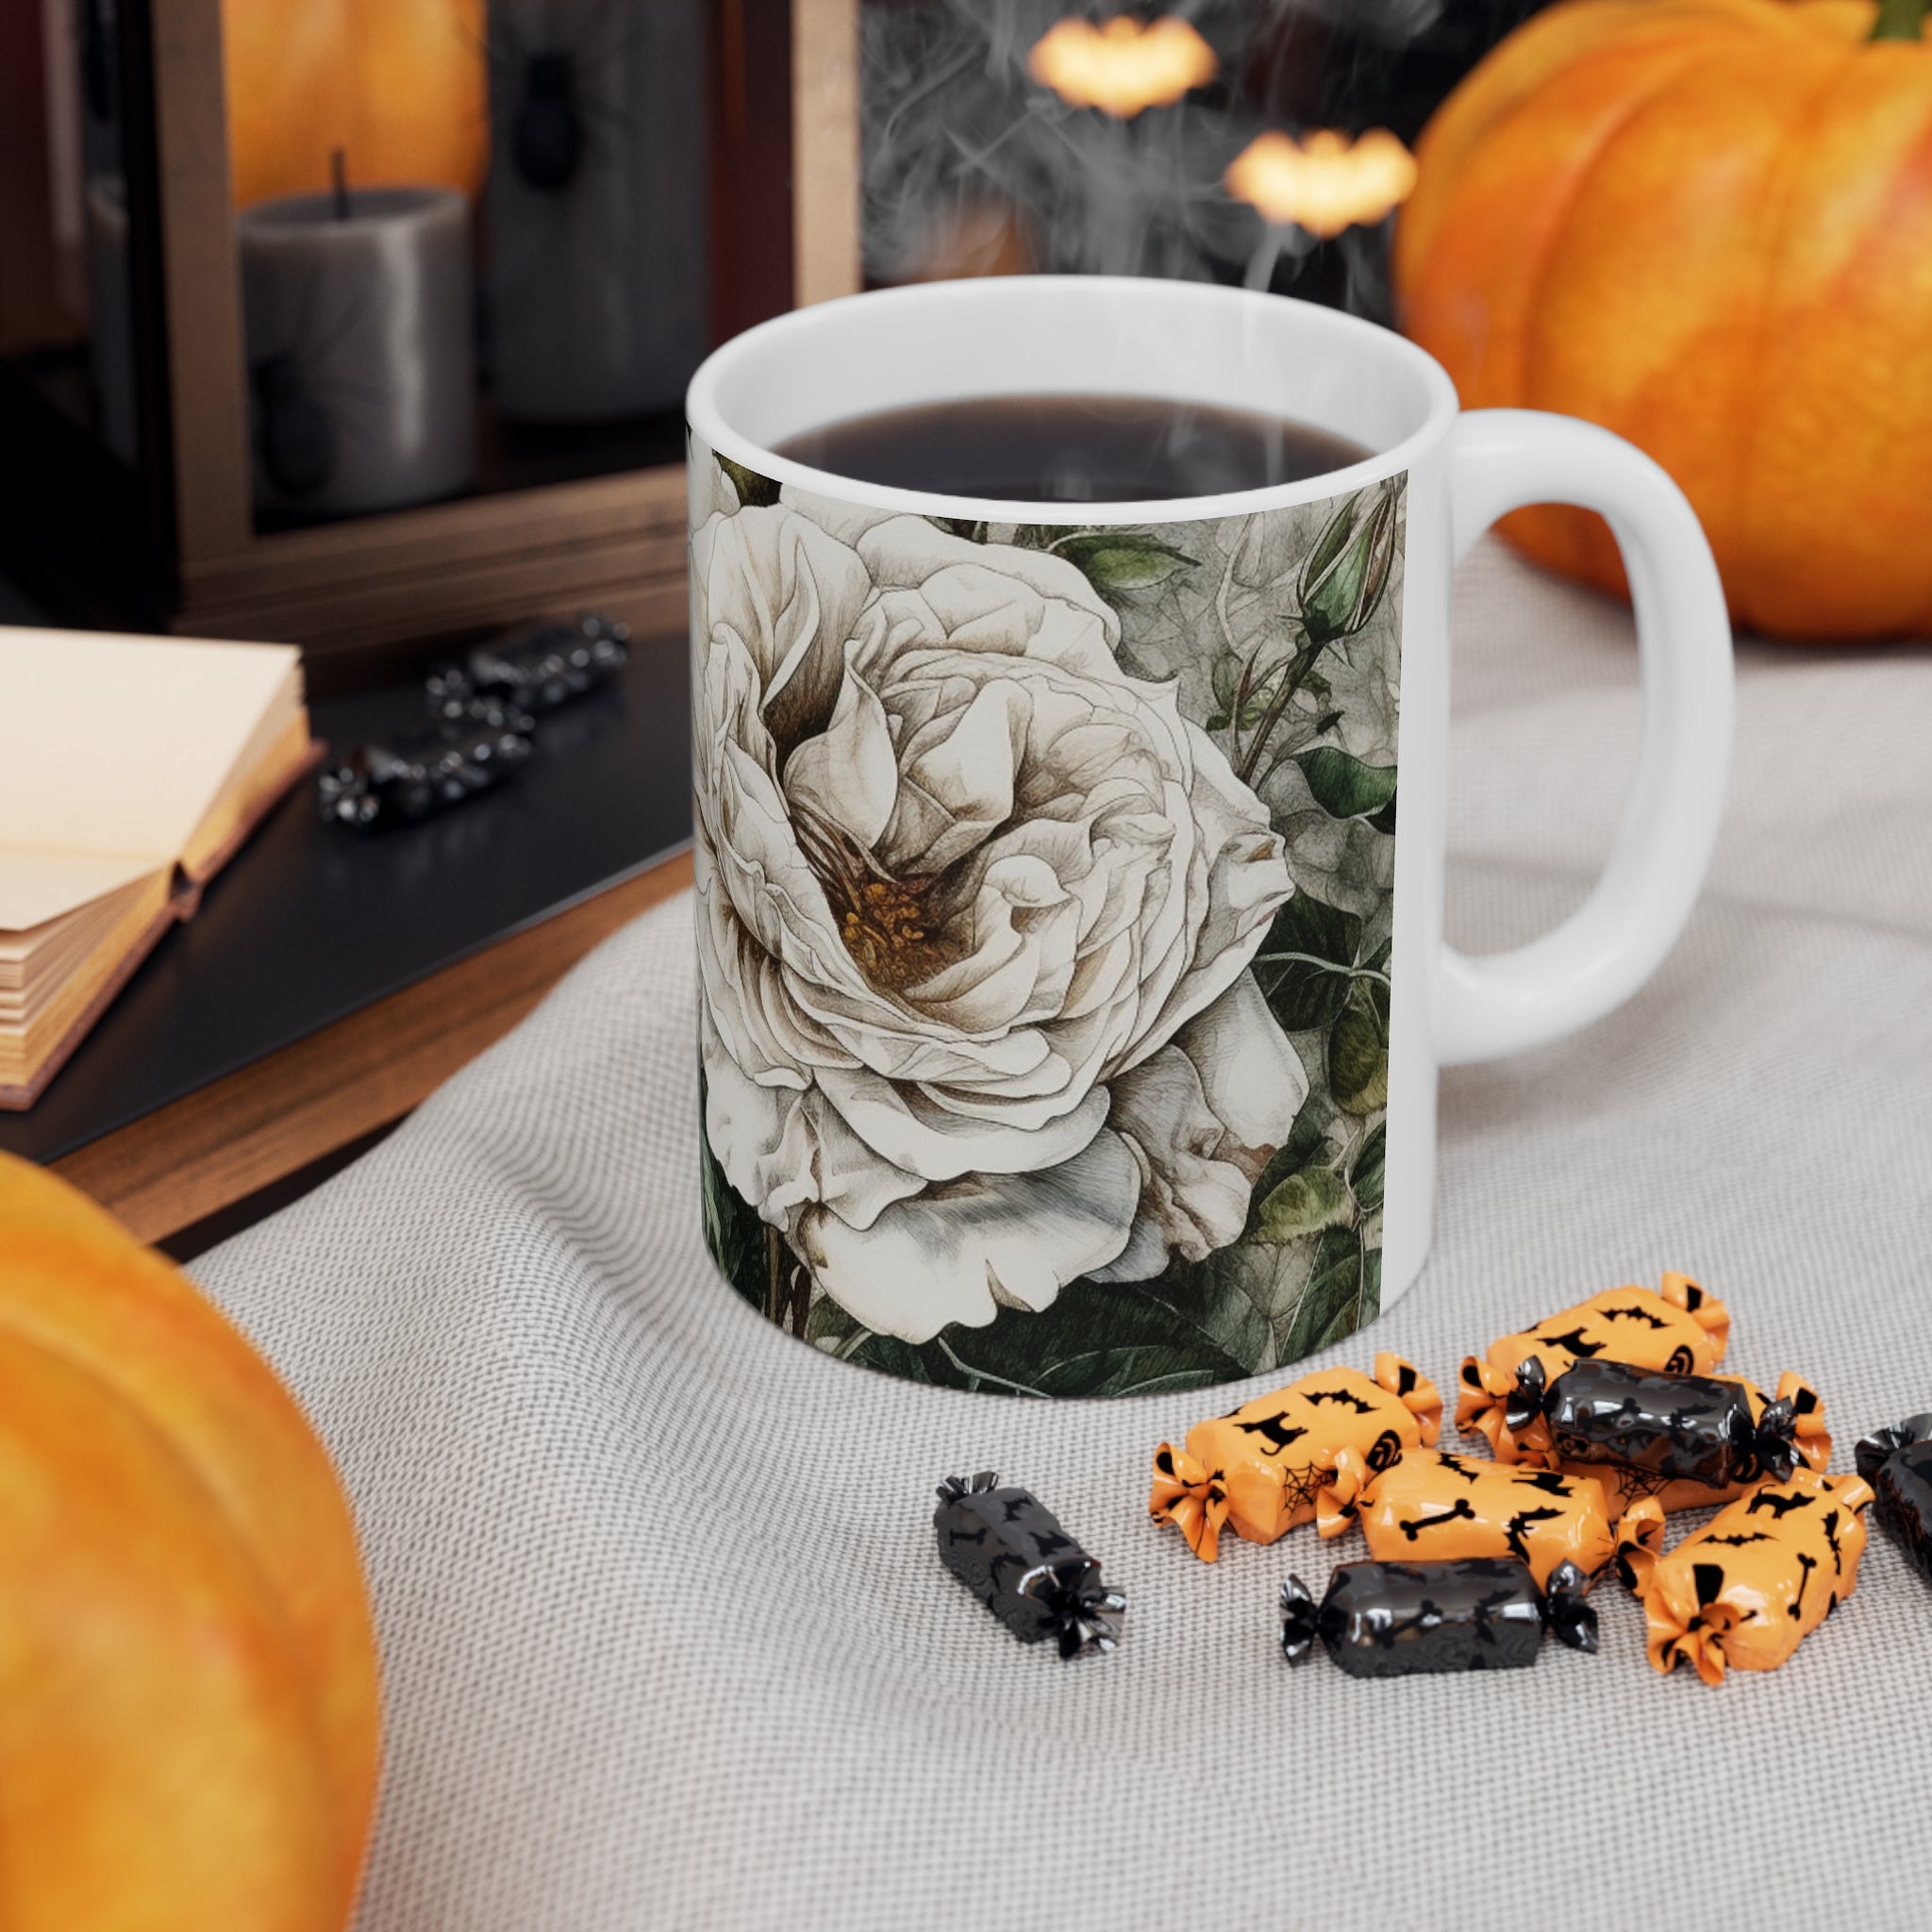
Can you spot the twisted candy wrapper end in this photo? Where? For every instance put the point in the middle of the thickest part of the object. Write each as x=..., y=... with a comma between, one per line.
x=1418, y=1394
x=1639, y=1543
x=1680, y=1633
x=1077, y=1607
x=1811, y=1438
x=1338, y=1502
x=1522, y=1407
x=1479, y=1393
x=1568, y=1614
x=957, y=1486
x=1705, y=1309
x=1870, y=1453
x=1482, y=1404
x=1300, y=1618
x=1192, y=1498
x=1768, y=1446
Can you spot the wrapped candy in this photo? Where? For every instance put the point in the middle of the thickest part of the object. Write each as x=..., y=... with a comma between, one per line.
x=1685, y=1441
x=1744, y=1592
x=1426, y=1505
x=1680, y=1328
x=1008, y=1549
x=1898, y=1465
x=399, y=779
x=1258, y=1470
x=539, y=667
x=1474, y=1613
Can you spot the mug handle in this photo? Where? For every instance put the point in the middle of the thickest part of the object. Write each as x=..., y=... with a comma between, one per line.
x=1500, y=1002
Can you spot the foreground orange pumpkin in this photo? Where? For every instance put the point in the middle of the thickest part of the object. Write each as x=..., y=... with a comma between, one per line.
x=1707, y=225
x=400, y=86
x=188, y=1691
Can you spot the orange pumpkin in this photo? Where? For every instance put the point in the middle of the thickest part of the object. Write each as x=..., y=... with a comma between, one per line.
x=400, y=86
x=1707, y=225
x=188, y=1684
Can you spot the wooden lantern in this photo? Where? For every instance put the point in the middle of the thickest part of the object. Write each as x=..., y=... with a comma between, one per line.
x=595, y=519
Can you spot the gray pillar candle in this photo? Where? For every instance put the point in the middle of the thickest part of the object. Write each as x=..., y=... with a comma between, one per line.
x=597, y=277
x=361, y=366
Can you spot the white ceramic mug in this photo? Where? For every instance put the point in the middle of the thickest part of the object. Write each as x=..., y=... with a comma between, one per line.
x=1072, y=1004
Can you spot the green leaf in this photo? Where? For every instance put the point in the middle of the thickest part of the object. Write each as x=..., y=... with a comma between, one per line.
x=1367, y=1176
x=1331, y=1296
x=1345, y=788
x=1117, y=560
x=1305, y=1204
x=1303, y=965
x=891, y=1357
x=827, y=1322
x=1304, y=1140
x=1225, y=678
x=1384, y=820
x=1114, y=1340
x=1358, y=1049
x=1252, y=713
x=752, y=490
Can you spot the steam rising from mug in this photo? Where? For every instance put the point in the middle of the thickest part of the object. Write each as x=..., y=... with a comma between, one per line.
x=973, y=166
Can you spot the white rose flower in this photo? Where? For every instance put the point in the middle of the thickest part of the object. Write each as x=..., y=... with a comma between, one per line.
x=975, y=911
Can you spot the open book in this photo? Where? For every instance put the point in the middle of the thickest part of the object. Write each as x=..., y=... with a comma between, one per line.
x=130, y=769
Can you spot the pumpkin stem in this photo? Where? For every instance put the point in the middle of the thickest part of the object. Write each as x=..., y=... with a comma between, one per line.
x=1899, y=20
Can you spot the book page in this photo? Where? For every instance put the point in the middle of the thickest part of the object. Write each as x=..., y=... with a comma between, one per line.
x=113, y=750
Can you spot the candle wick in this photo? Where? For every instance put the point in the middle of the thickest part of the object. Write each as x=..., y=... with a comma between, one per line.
x=339, y=175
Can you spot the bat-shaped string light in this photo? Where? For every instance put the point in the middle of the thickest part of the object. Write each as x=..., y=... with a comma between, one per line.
x=1319, y=186
x=1122, y=66
x=1119, y=68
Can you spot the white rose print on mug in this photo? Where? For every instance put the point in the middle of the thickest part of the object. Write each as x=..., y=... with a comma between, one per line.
x=1043, y=917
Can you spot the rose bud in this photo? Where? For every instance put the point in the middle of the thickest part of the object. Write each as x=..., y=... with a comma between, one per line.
x=1342, y=581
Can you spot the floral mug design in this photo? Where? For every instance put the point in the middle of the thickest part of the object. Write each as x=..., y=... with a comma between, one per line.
x=1044, y=904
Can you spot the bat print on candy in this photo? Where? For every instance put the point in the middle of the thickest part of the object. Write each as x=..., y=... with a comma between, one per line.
x=1677, y=1327
x=1429, y=1505
x=1259, y=1470
x=1744, y=1592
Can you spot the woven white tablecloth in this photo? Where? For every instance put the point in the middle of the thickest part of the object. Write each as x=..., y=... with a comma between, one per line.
x=666, y=1642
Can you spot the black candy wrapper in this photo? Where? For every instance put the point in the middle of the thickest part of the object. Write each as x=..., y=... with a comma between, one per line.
x=1470, y=1613
x=1690, y=1428
x=1008, y=1549
x=399, y=779
x=538, y=667
x=1898, y=1465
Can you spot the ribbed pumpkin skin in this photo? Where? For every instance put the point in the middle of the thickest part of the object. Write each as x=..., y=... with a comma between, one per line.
x=1707, y=225
x=189, y=1720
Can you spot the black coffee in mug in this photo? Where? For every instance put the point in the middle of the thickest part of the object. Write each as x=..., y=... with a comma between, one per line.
x=1072, y=449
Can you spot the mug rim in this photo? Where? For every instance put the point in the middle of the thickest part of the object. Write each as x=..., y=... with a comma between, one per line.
x=705, y=413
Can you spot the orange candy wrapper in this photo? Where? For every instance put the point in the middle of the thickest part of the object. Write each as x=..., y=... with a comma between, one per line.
x=1744, y=1592
x=1428, y=1507
x=1681, y=1329
x=1625, y=1485
x=1258, y=1470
